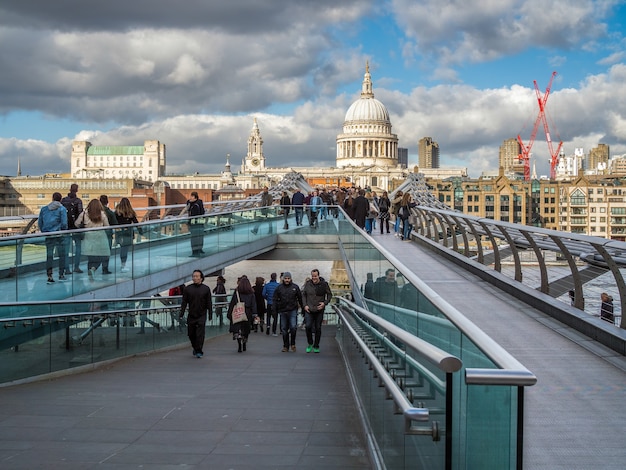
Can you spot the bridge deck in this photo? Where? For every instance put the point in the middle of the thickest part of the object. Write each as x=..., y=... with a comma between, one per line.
x=575, y=414
x=260, y=409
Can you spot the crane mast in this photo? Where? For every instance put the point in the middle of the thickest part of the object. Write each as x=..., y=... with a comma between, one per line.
x=525, y=149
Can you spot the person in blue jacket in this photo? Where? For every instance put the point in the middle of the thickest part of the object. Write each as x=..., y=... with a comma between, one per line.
x=53, y=218
x=268, y=295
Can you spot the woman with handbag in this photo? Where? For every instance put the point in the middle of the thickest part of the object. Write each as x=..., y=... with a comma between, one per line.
x=241, y=310
x=96, y=243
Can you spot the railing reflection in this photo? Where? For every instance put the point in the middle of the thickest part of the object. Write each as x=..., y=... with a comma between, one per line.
x=44, y=337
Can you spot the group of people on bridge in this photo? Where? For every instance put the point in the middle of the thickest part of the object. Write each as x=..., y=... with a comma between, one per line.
x=265, y=304
x=68, y=213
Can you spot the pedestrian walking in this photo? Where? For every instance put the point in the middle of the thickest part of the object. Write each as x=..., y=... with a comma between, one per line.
x=196, y=296
x=97, y=246
x=112, y=219
x=287, y=299
x=195, y=208
x=74, y=206
x=53, y=218
x=220, y=298
x=268, y=295
x=316, y=296
x=126, y=215
x=241, y=330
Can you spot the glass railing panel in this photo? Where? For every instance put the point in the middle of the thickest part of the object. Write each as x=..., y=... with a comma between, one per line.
x=489, y=438
x=424, y=382
x=155, y=244
x=475, y=407
x=39, y=338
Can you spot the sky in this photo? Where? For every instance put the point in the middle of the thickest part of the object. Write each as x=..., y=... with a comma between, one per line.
x=195, y=74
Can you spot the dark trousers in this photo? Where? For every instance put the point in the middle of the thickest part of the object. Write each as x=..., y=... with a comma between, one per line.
x=384, y=223
x=195, y=331
x=51, y=244
x=95, y=261
x=105, y=259
x=272, y=318
x=197, y=237
x=313, y=322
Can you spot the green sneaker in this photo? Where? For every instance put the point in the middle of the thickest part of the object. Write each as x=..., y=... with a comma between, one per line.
x=309, y=348
x=316, y=350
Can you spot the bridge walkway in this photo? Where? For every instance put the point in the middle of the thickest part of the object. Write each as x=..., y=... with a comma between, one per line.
x=261, y=409
x=575, y=414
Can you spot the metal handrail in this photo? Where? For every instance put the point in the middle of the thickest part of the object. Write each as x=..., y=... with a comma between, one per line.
x=444, y=361
x=509, y=367
x=401, y=401
x=609, y=254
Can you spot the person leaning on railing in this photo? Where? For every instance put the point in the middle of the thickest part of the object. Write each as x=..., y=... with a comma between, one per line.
x=606, y=308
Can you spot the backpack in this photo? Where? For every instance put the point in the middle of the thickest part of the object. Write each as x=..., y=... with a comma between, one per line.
x=383, y=204
x=71, y=205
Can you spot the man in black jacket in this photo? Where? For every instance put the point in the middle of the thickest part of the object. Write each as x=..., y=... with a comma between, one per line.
x=198, y=297
x=316, y=296
x=74, y=206
x=287, y=298
x=195, y=207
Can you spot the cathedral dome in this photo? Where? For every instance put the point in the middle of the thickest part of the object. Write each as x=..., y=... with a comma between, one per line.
x=367, y=139
x=367, y=109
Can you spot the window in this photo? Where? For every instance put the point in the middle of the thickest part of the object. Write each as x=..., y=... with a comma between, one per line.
x=578, y=198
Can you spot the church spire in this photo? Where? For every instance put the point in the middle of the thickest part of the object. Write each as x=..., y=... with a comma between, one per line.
x=366, y=90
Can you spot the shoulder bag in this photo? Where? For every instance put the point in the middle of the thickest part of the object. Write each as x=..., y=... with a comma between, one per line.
x=239, y=311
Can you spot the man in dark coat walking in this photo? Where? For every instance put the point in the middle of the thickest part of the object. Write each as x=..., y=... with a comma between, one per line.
x=198, y=297
x=361, y=208
x=287, y=299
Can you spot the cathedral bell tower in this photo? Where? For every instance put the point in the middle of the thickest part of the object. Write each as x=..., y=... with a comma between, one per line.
x=254, y=161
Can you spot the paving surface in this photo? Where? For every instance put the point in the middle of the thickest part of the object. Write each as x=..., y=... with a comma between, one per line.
x=261, y=409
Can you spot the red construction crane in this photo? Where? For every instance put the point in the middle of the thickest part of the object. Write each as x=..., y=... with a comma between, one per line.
x=524, y=156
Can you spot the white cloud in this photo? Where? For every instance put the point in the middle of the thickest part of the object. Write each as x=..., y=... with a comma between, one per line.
x=455, y=32
x=195, y=74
